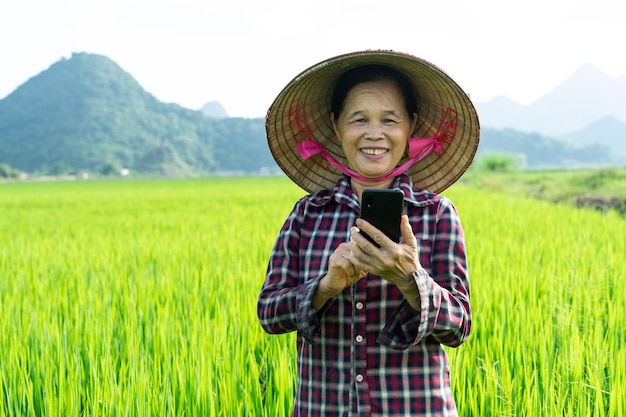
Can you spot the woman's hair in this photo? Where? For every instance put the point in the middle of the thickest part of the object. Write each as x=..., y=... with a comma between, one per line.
x=369, y=73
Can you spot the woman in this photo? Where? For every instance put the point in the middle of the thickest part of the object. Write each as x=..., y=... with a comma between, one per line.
x=372, y=320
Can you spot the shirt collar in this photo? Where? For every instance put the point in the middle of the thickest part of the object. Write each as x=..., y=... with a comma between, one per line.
x=412, y=194
x=342, y=193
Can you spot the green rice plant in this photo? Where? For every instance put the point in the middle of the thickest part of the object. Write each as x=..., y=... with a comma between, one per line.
x=547, y=296
x=138, y=298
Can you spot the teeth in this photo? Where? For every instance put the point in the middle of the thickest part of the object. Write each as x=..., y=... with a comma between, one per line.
x=373, y=151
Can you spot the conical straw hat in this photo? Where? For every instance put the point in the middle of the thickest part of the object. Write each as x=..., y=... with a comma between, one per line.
x=309, y=95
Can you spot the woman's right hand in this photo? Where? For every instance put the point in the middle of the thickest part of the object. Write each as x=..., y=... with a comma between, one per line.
x=341, y=274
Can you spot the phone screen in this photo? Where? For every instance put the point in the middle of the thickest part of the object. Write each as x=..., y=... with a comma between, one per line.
x=383, y=209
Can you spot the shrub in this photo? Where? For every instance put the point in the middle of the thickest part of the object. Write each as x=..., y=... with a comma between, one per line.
x=500, y=162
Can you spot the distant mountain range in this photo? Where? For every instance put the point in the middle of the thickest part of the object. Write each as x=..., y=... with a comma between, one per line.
x=214, y=109
x=86, y=113
x=588, y=107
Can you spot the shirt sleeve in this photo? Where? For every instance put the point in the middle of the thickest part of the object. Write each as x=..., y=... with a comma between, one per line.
x=285, y=303
x=445, y=313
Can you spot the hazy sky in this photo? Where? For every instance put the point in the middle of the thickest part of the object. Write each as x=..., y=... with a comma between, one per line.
x=243, y=52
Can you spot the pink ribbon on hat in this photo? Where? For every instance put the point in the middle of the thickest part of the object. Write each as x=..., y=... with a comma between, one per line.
x=419, y=148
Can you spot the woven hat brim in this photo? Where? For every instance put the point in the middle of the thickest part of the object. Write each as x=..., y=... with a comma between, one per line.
x=313, y=89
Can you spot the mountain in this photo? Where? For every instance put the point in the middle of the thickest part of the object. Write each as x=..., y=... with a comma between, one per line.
x=608, y=131
x=532, y=150
x=569, y=111
x=86, y=112
x=585, y=97
x=214, y=109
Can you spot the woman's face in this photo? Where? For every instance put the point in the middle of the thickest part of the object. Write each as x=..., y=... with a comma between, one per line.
x=373, y=127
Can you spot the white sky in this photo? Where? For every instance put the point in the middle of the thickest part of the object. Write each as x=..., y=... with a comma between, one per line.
x=243, y=52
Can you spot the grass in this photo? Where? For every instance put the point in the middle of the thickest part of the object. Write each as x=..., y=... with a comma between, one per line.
x=546, y=305
x=601, y=190
x=555, y=185
x=138, y=298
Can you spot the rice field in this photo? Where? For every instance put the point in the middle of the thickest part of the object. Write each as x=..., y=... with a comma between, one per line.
x=138, y=298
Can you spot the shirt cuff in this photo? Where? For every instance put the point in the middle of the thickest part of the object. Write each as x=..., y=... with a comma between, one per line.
x=408, y=326
x=307, y=319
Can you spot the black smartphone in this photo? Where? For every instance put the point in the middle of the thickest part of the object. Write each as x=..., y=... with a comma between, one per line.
x=383, y=209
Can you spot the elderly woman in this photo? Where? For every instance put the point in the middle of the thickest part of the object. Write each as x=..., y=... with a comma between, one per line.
x=372, y=318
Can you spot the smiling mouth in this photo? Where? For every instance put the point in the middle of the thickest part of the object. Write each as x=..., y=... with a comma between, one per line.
x=374, y=151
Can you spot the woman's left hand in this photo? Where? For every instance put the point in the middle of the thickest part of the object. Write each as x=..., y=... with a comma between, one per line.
x=393, y=261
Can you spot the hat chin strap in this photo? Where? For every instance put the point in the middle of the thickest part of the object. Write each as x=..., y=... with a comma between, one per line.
x=418, y=149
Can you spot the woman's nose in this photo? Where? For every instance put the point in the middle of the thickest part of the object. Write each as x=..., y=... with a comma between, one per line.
x=375, y=131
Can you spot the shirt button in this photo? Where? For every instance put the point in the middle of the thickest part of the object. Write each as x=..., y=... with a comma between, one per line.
x=359, y=305
x=359, y=338
x=359, y=378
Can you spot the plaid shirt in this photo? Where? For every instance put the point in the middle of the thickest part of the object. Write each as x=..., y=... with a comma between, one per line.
x=367, y=352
